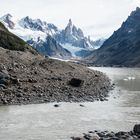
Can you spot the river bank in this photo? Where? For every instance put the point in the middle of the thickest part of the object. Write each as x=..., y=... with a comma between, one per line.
x=26, y=78
x=106, y=135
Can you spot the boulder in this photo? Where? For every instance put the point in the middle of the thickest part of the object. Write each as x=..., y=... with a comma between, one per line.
x=82, y=105
x=75, y=82
x=56, y=105
x=136, y=129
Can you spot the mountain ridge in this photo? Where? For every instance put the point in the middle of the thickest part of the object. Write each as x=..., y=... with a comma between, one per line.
x=123, y=47
x=35, y=29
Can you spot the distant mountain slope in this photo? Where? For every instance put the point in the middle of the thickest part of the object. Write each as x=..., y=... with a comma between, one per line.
x=11, y=41
x=123, y=47
x=50, y=48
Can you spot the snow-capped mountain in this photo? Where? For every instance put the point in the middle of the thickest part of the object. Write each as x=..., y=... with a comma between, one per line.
x=28, y=28
x=38, y=25
x=17, y=27
x=74, y=36
x=62, y=43
x=38, y=34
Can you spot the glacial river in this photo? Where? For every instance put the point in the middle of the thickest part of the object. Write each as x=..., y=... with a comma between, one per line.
x=45, y=122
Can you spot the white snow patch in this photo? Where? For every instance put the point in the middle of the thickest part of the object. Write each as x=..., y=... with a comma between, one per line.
x=27, y=34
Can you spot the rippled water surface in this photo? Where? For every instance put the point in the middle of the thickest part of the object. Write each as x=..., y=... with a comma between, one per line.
x=45, y=122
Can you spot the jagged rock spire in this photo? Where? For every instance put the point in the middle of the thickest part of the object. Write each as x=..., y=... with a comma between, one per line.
x=70, y=22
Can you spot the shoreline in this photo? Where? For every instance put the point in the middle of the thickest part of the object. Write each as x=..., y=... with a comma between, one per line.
x=84, y=63
x=110, y=135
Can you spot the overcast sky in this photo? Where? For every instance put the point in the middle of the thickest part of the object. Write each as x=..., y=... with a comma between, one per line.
x=97, y=18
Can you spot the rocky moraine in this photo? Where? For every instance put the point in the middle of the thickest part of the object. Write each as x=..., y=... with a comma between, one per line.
x=28, y=78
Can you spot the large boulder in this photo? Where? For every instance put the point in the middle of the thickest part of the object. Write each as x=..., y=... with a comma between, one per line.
x=75, y=82
x=136, y=129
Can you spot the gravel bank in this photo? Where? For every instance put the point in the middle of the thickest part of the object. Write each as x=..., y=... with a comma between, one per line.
x=26, y=78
